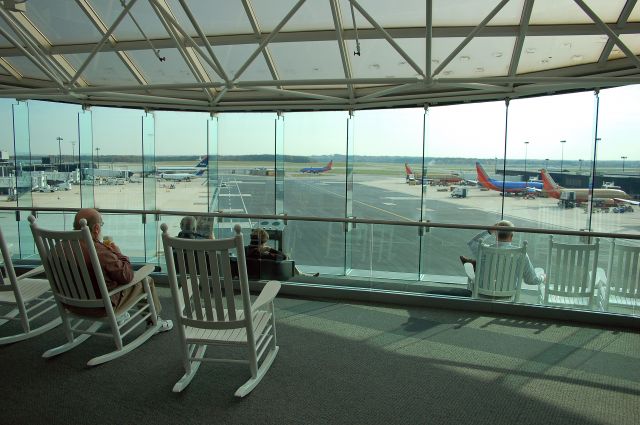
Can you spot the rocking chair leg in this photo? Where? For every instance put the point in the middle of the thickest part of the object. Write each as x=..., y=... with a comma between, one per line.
x=262, y=370
x=191, y=371
x=71, y=344
x=35, y=332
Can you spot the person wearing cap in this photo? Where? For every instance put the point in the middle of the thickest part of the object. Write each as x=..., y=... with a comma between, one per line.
x=503, y=239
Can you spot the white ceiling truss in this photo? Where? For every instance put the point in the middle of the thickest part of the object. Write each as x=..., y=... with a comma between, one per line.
x=313, y=54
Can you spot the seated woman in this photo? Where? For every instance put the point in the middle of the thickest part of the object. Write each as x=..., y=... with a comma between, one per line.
x=259, y=250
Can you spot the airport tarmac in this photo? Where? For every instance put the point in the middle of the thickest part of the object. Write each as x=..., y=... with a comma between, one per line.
x=374, y=250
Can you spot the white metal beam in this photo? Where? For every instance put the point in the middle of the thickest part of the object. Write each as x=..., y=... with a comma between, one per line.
x=428, y=40
x=524, y=25
x=622, y=21
x=104, y=39
x=203, y=39
x=268, y=39
x=470, y=37
x=248, y=8
x=10, y=69
x=346, y=64
x=128, y=62
x=164, y=13
x=388, y=37
x=605, y=28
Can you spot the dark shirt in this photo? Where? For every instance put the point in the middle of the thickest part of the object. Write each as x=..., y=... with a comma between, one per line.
x=190, y=235
x=264, y=253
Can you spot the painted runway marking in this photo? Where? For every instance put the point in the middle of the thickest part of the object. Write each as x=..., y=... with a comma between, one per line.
x=426, y=209
x=244, y=182
x=388, y=203
x=235, y=194
x=230, y=210
x=402, y=198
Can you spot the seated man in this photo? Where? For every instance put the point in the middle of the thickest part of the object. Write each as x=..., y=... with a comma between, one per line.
x=188, y=226
x=503, y=240
x=259, y=250
x=116, y=269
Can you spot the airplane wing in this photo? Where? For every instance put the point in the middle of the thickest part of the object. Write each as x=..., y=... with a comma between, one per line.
x=628, y=201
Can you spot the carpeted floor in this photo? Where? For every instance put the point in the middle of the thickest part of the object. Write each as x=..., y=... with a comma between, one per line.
x=344, y=363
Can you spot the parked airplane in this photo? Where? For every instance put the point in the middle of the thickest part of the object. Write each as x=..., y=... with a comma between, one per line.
x=177, y=168
x=505, y=186
x=432, y=176
x=179, y=177
x=608, y=196
x=318, y=170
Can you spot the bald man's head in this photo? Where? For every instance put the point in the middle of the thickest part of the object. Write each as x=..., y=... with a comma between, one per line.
x=94, y=221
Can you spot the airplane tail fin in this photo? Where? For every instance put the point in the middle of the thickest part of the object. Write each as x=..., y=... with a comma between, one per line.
x=547, y=181
x=203, y=162
x=329, y=165
x=483, y=177
x=407, y=169
x=200, y=172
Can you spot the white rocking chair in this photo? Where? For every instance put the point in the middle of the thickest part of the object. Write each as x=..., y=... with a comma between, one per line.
x=30, y=299
x=620, y=287
x=206, y=308
x=572, y=271
x=62, y=256
x=498, y=272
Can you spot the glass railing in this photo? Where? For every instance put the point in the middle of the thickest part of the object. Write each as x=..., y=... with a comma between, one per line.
x=571, y=270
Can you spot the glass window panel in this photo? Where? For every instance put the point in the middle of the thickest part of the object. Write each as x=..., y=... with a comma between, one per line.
x=560, y=144
x=181, y=142
x=384, y=141
x=149, y=186
x=105, y=68
x=62, y=21
x=117, y=154
x=173, y=70
x=617, y=162
x=53, y=132
x=7, y=164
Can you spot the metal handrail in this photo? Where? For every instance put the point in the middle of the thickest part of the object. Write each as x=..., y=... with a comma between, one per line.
x=352, y=220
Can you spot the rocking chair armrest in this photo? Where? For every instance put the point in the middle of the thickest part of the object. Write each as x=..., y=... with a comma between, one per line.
x=143, y=272
x=140, y=274
x=33, y=272
x=267, y=295
x=468, y=268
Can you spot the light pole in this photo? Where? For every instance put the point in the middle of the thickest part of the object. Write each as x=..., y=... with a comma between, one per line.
x=580, y=161
x=97, y=157
x=526, y=144
x=59, y=139
x=623, y=159
x=546, y=164
x=562, y=142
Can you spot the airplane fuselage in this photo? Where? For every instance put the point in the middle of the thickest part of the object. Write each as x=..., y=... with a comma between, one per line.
x=505, y=186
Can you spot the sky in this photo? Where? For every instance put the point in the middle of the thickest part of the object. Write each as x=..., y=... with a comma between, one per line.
x=466, y=130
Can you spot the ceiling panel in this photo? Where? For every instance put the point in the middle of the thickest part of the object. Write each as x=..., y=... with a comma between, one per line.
x=312, y=15
x=378, y=59
x=482, y=57
x=214, y=18
x=319, y=59
x=104, y=69
x=172, y=70
x=632, y=41
x=62, y=21
x=541, y=53
x=26, y=68
x=547, y=12
x=472, y=12
x=233, y=57
x=142, y=12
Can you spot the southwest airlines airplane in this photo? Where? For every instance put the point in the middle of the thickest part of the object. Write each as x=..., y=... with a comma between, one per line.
x=318, y=170
x=609, y=196
x=506, y=186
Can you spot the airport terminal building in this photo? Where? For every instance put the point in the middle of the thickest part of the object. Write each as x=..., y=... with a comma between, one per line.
x=374, y=142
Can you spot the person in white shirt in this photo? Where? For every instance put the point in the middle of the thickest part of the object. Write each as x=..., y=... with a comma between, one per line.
x=503, y=239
